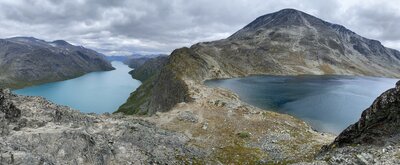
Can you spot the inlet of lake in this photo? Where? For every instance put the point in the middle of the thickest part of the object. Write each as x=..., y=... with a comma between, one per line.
x=97, y=92
x=327, y=103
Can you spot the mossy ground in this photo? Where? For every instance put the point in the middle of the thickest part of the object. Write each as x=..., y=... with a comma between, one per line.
x=137, y=99
x=242, y=135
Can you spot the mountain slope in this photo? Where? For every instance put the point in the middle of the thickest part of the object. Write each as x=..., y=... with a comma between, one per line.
x=26, y=61
x=146, y=73
x=288, y=42
x=150, y=68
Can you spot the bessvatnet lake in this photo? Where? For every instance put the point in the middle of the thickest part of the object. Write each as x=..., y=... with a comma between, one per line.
x=327, y=103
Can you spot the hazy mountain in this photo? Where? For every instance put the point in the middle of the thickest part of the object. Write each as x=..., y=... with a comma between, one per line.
x=287, y=42
x=151, y=67
x=117, y=58
x=136, y=60
x=26, y=61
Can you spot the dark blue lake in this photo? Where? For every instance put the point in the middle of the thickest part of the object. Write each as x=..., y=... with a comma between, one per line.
x=327, y=103
x=96, y=92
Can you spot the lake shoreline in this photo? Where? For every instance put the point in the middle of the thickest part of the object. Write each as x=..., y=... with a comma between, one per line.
x=96, y=92
x=292, y=100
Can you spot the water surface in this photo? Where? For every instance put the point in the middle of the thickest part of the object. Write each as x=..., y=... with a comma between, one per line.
x=96, y=92
x=327, y=103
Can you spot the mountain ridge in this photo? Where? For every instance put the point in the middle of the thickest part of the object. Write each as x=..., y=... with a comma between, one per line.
x=295, y=48
x=26, y=61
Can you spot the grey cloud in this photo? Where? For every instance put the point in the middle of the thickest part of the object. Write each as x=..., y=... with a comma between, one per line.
x=159, y=26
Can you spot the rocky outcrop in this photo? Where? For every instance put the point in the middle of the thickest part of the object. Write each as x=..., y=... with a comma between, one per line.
x=35, y=131
x=377, y=123
x=288, y=42
x=26, y=61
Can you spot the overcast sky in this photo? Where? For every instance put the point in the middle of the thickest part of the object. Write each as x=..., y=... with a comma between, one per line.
x=122, y=27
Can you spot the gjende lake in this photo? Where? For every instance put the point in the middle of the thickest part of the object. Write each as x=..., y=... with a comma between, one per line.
x=96, y=92
x=327, y=103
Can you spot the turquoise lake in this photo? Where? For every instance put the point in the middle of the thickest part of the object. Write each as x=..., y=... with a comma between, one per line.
x=97, y=92
x=327, y=103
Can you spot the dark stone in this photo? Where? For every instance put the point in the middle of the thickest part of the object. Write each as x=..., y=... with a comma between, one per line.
x=11, y=113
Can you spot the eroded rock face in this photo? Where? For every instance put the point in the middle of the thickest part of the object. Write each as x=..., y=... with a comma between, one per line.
x=377, y=123
x=35, y=131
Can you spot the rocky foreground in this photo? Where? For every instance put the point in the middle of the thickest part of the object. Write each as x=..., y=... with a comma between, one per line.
x=35, y=131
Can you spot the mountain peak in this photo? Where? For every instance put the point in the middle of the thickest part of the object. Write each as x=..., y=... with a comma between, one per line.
x=287, y=19
x=61, y=42
x=284, y=17
x=289, y=11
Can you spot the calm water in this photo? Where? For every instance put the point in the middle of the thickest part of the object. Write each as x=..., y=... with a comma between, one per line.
x=96, y=92
x=327, y=103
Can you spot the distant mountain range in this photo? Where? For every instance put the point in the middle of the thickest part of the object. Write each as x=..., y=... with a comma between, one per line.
x=26, y=61
x=287, y=42
x=133, y=56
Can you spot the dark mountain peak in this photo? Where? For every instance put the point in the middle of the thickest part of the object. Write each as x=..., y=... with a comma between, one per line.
x=61, y=42
x=289, y=19
x=284, y=17
x=289, y=11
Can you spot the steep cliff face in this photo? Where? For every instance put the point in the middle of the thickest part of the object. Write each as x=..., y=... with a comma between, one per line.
x=288, y=42
x=377, y=123
x=26, y=61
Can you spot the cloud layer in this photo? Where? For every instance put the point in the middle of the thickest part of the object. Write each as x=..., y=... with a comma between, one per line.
x=140, y=26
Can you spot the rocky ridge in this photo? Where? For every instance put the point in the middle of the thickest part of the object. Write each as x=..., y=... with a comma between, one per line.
x=288, y=42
